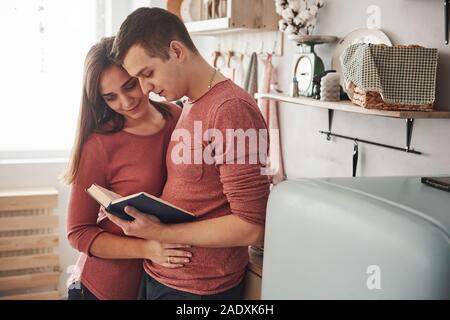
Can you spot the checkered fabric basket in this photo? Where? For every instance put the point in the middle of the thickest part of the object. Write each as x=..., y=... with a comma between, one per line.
x=390, y=78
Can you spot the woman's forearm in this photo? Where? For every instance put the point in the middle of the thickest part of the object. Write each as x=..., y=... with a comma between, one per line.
x=110, y=246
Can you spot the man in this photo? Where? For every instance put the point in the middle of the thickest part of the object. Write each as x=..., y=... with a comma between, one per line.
x=208, y=174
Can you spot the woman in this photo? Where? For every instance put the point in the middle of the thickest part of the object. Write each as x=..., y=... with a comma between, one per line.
x=120, y=144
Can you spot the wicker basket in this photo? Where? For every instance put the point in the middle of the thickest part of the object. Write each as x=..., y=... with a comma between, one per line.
x=372, y=99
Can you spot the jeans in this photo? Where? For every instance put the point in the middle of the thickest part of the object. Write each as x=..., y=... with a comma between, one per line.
x=78, y=291
x=151, y=289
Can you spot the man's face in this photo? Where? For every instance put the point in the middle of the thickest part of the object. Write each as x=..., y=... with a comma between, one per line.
x=154, y=74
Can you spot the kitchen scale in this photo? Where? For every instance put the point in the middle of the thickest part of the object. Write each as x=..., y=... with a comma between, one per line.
x=307, y=63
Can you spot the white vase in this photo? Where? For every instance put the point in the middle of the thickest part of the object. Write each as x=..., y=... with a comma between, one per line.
x=329, y=87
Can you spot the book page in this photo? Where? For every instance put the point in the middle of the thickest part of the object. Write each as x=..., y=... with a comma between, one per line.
x=102, y=195
x=111, y=194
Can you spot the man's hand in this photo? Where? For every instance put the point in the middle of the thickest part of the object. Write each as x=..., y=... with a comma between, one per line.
x=143, y=226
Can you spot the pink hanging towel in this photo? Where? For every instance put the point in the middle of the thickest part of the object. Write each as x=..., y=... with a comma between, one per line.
x=269, y=110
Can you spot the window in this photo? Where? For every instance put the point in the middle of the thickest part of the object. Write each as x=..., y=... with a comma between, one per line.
x=44, y=43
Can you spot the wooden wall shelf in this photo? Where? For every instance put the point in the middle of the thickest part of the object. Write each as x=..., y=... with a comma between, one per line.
x=348, y=106
x=242, y=16
x=219, y=26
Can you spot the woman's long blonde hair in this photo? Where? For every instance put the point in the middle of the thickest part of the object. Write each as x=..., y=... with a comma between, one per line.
x=95, y=115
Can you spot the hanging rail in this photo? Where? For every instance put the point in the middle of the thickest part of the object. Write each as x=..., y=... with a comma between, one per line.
x=328, y=133
x=409, y=130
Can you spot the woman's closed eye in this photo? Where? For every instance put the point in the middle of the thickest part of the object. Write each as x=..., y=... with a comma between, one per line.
x=109, y=98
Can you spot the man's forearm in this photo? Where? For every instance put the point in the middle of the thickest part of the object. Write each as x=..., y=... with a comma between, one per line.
x=227, y=231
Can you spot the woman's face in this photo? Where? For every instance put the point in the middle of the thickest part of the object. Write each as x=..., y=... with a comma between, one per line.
x=122, y=93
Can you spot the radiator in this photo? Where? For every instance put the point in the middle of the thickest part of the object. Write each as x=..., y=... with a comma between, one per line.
x=29, y=262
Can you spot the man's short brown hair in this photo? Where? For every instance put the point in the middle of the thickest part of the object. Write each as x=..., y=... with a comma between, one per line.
x=153, y=29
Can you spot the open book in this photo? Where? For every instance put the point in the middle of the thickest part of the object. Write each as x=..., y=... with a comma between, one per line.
x=144, y=202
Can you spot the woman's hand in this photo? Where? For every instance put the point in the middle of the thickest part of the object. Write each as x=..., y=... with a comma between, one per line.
x=102, y=214
x=168, y=255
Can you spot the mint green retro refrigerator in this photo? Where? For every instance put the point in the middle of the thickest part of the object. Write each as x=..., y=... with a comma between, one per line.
x=357, y=238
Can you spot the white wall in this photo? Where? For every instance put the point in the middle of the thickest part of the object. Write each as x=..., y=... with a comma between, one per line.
x=308, y=154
